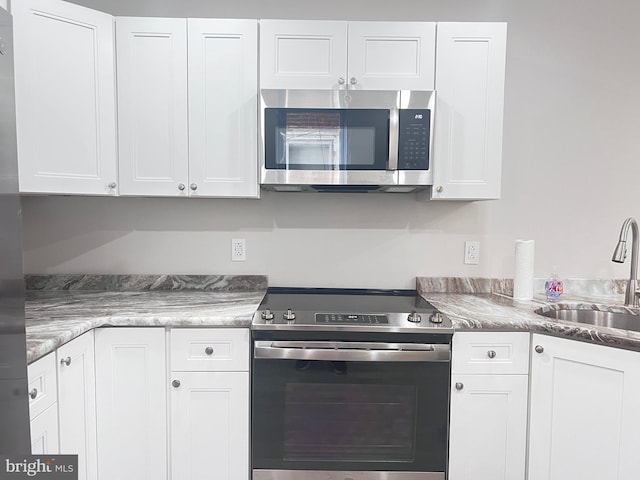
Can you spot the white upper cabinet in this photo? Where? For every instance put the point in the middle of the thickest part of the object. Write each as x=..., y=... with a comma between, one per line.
x=223, y=107
x=470, y=70
x=152, y=106
x=187, y=107
x=300, y=54
x=391, y=55
x=65, y=98
x=358, y=55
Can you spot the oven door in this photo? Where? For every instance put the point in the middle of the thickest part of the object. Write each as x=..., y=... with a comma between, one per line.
x=323, y=409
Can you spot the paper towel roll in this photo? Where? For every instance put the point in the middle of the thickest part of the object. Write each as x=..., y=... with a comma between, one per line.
x=523, y=276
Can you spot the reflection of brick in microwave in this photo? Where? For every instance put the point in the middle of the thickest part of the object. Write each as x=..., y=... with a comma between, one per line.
x=313, y=120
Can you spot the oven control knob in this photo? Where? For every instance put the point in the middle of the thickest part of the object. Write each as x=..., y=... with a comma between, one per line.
x=267, y=315
x=414, y=317
x=289, y=315
x=436, y=317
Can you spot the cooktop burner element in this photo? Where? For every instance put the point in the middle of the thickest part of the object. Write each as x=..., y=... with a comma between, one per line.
x=348, y=310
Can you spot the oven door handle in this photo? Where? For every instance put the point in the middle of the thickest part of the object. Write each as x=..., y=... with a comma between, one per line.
x=351, y=352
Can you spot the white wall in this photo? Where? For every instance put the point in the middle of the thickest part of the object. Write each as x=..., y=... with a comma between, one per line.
x=570, y=176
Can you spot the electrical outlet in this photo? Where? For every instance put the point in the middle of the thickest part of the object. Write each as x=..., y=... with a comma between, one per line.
x=238, y=250
x=471, y=252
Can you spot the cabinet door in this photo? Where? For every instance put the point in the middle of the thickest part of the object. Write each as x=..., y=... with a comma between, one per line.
x=223, y=108
x=210, y=426
x=77, y=403
x=152, y=106
x=44, y=432
x=299, y=54
x=131, y=403
x=42, y=384
x=584, y=421
x=65, y=98
x=488, y=430
x=392, y=55
x=470, y=68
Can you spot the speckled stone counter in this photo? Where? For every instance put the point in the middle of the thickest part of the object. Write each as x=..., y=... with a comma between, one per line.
x=69, y=306
x=475, y=304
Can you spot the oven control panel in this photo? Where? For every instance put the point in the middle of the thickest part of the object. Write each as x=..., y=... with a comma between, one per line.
x=351, y=318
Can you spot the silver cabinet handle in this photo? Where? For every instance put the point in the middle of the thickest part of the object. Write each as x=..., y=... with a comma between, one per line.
x=353, y=80
x=176, y=383
x=66, y=361
x=33, y=394
x=208, y=350
x=341, y=81
x=459, y=385
x=193, y=187
x=539, y=348
x=439, y=189
x=112, y=185
x=491, y=354
x=181, y=187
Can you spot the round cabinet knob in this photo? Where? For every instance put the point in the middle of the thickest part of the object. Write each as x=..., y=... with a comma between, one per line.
x=459, y=385
x=353, y=80
x=66, y=361
x=539, y=348
x=491, y=354
x=193, y=187
x=439, y=189
x=112, y=185
x=33, y=394
x=181, y=187
x=208, y=350
x=414, y=317
x=341, y=81
x=175, y=383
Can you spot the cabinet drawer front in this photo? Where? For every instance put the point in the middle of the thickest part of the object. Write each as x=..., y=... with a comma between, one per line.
x=42, y=384
x=210, y=349
x=491, y=352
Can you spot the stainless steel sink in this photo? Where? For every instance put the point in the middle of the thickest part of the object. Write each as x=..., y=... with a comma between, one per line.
x=623, y=321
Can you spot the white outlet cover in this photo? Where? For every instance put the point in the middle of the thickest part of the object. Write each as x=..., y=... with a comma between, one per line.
x=471, y=252
x=238, y=250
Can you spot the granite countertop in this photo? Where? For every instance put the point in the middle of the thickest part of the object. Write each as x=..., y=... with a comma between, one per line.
x=479, y=305
x=56, y=316
x=62, y=307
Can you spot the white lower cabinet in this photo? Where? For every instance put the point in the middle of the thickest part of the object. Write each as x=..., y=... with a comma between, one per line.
x=584, y=420
x=210, y=405
x=43, y=405
x=44, y=432
x=488, y=412
x=77, y=403
x=131, y=403
x=210, y=425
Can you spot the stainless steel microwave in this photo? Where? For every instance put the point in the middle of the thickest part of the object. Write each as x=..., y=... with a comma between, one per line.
x=344, y=140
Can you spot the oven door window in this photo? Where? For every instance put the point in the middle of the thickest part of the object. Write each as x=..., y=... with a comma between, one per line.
x=326, y=139
x=323, y=415
x=354, y=423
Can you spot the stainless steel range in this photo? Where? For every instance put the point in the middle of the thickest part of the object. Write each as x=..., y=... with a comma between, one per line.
x=349, y=385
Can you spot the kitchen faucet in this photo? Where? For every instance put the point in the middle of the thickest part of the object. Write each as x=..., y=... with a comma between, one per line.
x=632, y=295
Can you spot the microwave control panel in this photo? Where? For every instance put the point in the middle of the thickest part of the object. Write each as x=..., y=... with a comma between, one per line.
x=413, y=139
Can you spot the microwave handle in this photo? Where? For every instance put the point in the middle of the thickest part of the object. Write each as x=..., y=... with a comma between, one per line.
x=394, y=138
x=268, y=350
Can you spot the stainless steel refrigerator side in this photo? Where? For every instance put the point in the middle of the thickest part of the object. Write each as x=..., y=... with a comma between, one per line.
x=14, y=406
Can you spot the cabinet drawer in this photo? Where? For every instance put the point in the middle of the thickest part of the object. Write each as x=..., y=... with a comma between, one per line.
x=490, y=353
x=42, y=384
x=209, y=349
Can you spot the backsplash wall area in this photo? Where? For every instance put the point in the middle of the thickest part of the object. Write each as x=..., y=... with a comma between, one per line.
x=570, y=170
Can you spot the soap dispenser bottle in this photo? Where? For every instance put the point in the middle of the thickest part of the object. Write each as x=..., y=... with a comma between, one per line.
x=553, y=287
